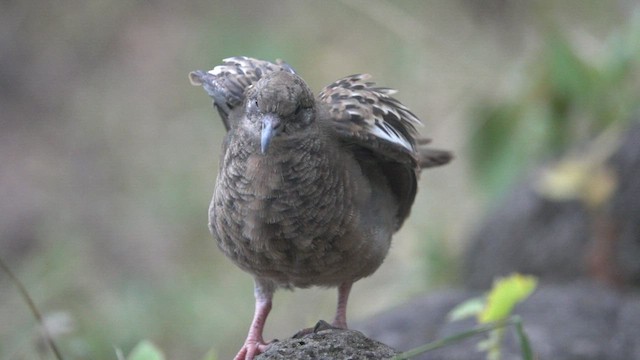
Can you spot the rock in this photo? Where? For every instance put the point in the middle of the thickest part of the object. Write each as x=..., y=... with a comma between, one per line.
x=581, y=320
x=564, y=241
x=329, y=344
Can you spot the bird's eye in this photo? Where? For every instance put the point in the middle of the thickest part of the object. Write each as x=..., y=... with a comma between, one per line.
x=298, y=109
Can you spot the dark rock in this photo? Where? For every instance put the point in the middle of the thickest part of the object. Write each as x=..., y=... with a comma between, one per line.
x=574, y=321
x=329, y=344
x=624, y=208
x=529, y=234
x=563, y=241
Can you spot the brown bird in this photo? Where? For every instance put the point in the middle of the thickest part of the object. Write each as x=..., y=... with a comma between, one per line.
x=310, y=189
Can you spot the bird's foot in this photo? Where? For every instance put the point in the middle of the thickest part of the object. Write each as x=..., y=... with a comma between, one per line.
x=321, y=325
x=336, y=324
x=302, y=333
x=252, y=348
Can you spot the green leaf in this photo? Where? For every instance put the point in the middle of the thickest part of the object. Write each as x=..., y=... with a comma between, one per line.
x=505, y=294
x=501, y=145
x=469, y=308
x=146, y=350
x=570, y=76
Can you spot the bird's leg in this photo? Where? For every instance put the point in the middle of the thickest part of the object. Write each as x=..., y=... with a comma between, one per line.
x=340, y=320
x=254, y=344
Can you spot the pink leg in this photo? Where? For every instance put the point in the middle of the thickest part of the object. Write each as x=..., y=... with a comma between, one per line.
x=340, y=320
x=254, y=344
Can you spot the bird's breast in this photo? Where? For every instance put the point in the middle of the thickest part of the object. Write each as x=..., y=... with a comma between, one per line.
x=302, y=218
x=286, y=208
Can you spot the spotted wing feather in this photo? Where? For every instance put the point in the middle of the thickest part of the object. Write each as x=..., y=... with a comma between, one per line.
x=227, y=83
x=379, y=130
x=370, y=116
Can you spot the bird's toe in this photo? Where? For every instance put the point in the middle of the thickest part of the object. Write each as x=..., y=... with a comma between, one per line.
x=251, y=349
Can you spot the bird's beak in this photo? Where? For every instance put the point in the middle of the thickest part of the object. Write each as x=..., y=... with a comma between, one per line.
x=270, y=128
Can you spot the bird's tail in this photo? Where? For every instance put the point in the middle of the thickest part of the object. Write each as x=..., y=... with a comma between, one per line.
x=429, y=157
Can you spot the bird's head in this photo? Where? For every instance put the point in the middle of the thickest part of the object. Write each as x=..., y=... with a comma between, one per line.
x=279, y=105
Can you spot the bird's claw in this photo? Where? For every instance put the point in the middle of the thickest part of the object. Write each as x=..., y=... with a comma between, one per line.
x=252, y=348
x=320, y=326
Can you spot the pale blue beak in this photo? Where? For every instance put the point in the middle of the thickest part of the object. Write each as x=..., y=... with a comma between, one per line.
x=270, y=128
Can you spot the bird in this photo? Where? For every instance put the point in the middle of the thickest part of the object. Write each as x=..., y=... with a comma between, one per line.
x=310, y=189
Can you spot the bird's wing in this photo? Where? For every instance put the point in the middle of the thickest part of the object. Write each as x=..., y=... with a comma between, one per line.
x=379, y=130
x=227, y=83
x=370, y=117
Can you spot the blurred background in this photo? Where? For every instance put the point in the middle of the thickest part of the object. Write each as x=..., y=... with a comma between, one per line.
x=108, y=156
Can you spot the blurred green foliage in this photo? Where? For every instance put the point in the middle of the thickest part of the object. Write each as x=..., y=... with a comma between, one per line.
x=566, y=99
x=496, y=307
x=145, y=350
x=494, y=314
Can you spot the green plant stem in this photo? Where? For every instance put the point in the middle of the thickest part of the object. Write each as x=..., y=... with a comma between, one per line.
x=34, y=310
x=461, y=336
x=525, y=346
